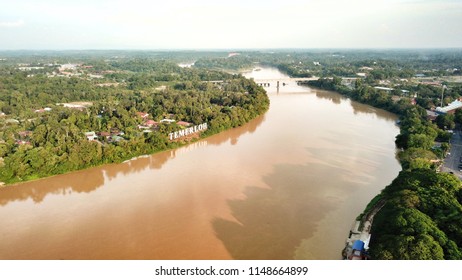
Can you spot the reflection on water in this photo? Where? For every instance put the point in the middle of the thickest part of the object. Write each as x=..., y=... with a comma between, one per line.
x=357, y=107
x=283, y=214
x=336, y=98
x=90, y=179
x=287, y=185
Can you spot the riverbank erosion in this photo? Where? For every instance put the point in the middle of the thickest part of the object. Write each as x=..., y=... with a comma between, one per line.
x=148, y=114
x=419, y=215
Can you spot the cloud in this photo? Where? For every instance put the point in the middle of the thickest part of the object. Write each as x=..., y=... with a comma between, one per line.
x=17, y=23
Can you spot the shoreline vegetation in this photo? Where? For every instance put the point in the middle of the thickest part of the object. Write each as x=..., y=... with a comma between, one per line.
x=420, y=216
x=128, y=111
x=140, y=91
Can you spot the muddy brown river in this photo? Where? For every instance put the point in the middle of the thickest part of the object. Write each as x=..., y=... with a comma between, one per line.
x=287, y=185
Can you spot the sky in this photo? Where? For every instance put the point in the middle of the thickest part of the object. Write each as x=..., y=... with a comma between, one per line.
x=237, y=24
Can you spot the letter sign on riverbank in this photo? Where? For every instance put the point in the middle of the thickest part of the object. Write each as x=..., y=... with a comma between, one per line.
x=187, y=131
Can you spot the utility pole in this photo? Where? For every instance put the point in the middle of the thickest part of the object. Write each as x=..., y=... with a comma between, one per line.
x=442, y=95
x=442, y=92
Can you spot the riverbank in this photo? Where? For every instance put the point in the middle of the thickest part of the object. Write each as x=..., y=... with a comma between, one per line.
x=361, y=227
x=400, y=217
x=176, y=143
x=361, y=231
x=232, y=195
x=121, y=123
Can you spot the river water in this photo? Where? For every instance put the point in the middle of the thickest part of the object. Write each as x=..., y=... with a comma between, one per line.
x=287, y=185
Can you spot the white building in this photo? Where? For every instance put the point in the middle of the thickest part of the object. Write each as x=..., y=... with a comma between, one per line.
x=450, y=108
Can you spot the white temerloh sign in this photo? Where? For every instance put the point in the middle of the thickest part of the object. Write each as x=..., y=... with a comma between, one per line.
x=187, y=131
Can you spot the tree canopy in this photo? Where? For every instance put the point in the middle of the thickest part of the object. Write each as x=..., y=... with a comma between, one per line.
x=124, y=101
x=421, y=219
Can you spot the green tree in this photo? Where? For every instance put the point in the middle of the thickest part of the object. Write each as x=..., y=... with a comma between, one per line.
x=420, y=141
x=458, y=116
x=421, y=218
x=445, y=121
x=414, y=158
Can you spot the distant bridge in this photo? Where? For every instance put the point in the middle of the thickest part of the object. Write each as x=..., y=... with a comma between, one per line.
x=268, y=82
x=277, y=82
x=282, y=81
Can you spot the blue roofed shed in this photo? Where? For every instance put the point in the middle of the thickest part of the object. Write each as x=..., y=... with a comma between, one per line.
x=358, y=245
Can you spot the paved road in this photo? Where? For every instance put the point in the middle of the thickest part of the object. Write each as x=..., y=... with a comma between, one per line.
x=452, y=161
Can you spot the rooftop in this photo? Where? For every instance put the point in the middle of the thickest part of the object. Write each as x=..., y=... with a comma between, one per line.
x=183, y=123
x=453, y=106
x=167, y=121
x=384, y=88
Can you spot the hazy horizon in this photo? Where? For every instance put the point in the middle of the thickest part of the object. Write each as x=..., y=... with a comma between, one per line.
x=243, y=25
x=236, y=49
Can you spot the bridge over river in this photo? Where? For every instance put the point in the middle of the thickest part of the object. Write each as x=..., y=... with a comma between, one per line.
x=279, y=81
x=285, y=81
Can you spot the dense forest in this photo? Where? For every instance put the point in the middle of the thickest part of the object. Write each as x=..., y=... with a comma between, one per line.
x=422, y=218
x=58, y=117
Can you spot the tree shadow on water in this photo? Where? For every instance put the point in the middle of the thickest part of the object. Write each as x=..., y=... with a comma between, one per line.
x=272, y=222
